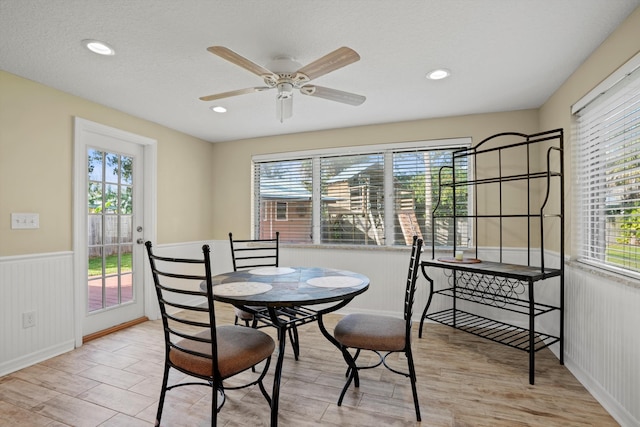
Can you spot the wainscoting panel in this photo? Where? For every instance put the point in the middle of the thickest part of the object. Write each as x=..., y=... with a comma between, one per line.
x=603, y=340
x=43, y=286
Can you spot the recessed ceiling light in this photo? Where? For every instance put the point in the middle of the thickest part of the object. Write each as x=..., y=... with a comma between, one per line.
x=101, y=48
x=438, y=74
x=218, y=109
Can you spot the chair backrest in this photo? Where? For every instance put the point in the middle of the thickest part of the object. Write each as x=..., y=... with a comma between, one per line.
x=412, y=276
x=178, y=283
x=254, y=253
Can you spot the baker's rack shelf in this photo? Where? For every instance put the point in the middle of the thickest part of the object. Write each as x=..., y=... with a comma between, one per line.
x=501, y=285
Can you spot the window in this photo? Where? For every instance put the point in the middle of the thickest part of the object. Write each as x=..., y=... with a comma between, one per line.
x=352, y=199
x=285, y=183
x=415, y=189
x=281, y=211
x=607, y=167
x=375, y=195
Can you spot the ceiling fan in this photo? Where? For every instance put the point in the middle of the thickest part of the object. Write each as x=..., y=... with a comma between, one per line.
x=288, y=75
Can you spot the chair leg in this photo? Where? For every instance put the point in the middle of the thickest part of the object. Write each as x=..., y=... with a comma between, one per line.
x=344, y=389
x=263, y=390
x=352, y=372
x=356, y=375
x=163, y=392
x=412, y=377
x=295, y=342
x=214, y=405
x=346, y=374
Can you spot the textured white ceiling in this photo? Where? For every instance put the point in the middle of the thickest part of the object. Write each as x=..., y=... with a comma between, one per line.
x=503, y=54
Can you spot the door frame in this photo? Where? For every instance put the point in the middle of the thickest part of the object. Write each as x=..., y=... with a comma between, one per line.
x=150, y=149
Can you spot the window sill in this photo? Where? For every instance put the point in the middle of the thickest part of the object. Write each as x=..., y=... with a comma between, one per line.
x=330, y=246
x=625, y=280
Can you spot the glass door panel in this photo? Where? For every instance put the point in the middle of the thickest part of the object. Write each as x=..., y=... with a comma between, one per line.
x=110, y=229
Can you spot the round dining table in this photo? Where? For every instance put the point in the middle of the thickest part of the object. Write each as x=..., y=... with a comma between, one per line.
x=285, y=297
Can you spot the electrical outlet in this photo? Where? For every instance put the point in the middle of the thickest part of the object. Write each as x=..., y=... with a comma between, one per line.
x=28, y=319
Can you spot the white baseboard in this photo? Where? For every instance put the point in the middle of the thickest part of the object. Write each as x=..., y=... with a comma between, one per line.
x=619, y=413
x=36, y=357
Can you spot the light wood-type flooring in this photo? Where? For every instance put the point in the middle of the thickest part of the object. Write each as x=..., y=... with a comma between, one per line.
x=462, y=381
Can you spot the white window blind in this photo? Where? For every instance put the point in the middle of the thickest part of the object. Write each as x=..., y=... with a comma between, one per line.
x=373, y=195
x=607, y=167
x=283, y=200
x=352, y=194
x=415, y=187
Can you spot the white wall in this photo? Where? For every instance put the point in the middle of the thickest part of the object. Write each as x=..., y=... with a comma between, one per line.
x=43, y=284
x=602, y=347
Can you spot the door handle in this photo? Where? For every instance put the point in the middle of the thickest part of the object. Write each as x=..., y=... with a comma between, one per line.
x=140, y=241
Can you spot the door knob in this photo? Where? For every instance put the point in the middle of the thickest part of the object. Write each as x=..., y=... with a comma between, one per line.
x=140, y=241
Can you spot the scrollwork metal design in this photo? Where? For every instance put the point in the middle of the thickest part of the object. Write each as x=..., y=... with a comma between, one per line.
x=486, y=289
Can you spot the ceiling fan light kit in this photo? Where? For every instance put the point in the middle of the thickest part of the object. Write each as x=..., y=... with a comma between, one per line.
x=284, y=108
x=289, y=75
x=285, y=90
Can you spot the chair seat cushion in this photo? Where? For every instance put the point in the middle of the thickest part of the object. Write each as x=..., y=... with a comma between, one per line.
x=242, y=315
x=371, y=332
x=239, y=348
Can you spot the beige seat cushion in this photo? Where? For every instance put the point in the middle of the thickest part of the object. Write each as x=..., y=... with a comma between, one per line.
x=371, y=332
x=239, y=348
x=243, y=315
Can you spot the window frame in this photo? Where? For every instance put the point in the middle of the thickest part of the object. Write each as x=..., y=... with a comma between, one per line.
x=315, y=156
x=286, y=211
x=581, y=217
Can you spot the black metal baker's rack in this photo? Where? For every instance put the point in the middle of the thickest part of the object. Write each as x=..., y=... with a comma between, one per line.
x=501, y=285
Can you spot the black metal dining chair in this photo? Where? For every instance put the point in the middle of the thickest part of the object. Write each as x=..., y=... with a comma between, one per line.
x=246, y=254
x=382, y=335
x=194, y=344
x=256, y=253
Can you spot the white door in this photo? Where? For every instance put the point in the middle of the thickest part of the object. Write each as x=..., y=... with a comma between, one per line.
x=110, y=227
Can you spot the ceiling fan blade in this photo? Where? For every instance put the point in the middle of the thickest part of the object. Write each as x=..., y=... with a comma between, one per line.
x=241, y=61
x=332, y=61
x=332, y=94
x=234, y=93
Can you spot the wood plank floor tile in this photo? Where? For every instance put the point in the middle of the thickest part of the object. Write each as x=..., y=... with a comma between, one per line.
x=74, y=411
x=112, y=376
x=24, y=394
x=118, y=399
x=122, y=420
x=108, y=358
x=54, y=379
x=12, y=415
x=69, y=362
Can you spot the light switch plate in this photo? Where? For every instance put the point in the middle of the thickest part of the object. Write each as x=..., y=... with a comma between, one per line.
x=25, y=221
